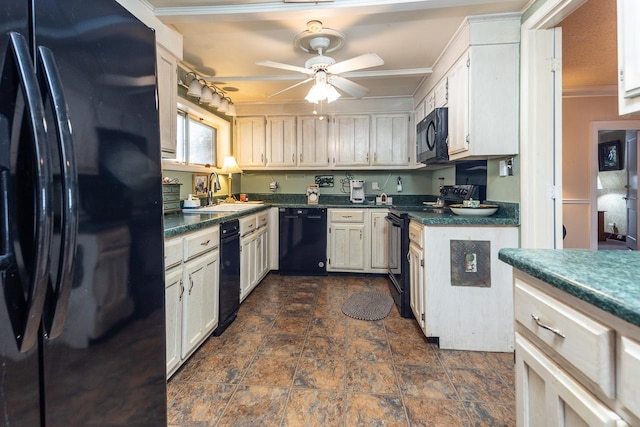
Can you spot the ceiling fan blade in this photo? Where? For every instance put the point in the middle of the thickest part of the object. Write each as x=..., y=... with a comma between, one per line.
x=282, y=66
x=357, y=63
x=291, y=87
x=352, y=88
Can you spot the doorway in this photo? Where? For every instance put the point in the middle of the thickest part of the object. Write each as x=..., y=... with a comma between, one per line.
x=613, y=198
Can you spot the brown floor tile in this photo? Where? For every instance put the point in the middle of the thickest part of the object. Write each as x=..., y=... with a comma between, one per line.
x=323, y=374
x=289, y=325
x=491, y=415
x=425, y=381
x=436, y=413
x=412, y=352
x=293, y=358
x=315, y=408
x=371, y=377
x=371, y=349
x=271, y=371
x=320, y=347
x=373, y=410
x=281, y=345
x=480, y=385
x=255, y=406
x=199, y=404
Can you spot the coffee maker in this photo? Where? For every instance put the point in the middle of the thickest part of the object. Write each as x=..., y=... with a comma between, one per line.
x=356, y=191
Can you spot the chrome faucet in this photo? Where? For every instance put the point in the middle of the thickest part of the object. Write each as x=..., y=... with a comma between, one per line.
x=213, y=184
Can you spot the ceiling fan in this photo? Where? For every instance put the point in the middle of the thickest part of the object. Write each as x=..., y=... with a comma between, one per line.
x=324, y=70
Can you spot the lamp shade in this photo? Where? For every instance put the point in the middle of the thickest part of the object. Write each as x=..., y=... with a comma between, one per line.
x=206, y=96
x=224, y=105
x=230, y=165
x=215, y=101
x=232, y=109
x=195, y=89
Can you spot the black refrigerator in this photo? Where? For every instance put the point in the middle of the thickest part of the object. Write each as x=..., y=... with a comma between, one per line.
x=82, y=328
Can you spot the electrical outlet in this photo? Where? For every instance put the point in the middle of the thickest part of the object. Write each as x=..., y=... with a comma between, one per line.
x=374, y=186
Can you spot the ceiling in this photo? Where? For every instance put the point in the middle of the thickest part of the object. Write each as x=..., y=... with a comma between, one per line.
x=225, y=38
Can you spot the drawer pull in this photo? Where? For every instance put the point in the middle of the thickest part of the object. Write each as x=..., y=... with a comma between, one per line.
x=205, y=243
x=346, y=216
x=547, y=327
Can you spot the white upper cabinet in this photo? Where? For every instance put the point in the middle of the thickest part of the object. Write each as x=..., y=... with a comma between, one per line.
x=351, y=135
x=167, y=94
x=313, y=141
x=389, y=140
x=281, y=141
x=483, y=102
x=628, y=57
x=250, y=141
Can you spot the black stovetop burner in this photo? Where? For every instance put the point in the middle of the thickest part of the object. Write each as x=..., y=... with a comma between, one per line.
x=452, y=194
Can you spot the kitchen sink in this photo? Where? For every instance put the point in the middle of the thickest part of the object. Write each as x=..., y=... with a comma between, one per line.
x=225, y=207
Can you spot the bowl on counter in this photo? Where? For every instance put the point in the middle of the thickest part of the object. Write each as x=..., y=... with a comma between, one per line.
x=480, y=210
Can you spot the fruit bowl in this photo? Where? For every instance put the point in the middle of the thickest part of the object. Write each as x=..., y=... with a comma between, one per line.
x=481, y=210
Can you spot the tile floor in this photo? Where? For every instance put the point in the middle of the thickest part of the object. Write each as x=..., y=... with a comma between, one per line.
x=292, y=358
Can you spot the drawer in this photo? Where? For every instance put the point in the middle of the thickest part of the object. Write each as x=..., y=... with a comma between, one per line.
x=201, y=241
x=170, y=189
x=248, y=224
x=346, y=215
x=172, y=252
x=170, y=206
x=588, y=345
x=263, y=219
x=171, y=197
x=628, y=385
x=416, y=233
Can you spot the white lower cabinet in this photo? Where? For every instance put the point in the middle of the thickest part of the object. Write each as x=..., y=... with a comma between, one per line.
x=416, y=283
x=191, y=293
x=379, y=245
x=346, y=240
x=254, y=251
x=575, y=364
x=548, y=396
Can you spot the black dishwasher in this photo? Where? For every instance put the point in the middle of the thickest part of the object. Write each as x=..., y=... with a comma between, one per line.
x=303, y=241
x=229, y=292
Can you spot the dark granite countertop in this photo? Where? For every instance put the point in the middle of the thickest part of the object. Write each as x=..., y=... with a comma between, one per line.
x=179, y=223
x=607, y=279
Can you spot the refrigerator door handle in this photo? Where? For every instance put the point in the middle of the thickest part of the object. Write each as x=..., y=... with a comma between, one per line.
x=25, y=311
x=59, y=292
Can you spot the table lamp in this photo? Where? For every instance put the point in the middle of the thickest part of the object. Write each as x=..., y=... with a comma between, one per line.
x=230, y=166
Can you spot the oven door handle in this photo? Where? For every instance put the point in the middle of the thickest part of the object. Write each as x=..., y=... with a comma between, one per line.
x=392, y=221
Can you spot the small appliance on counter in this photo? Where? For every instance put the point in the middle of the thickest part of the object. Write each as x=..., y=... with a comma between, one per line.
x=313, y=194
x=456, y=194
x=356, y=191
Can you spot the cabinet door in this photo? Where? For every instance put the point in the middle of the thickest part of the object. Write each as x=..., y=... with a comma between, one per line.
x=628, y=57
x=250, y=141
x=458, y=79
x=167, y=106
x=197, y=277
x=416, y=283
x=379, y=246
x=313, y=141
x=441, y=94
x=247, y=264
x=351, y=138
x=347, y=247
x=211, y=292
x=281, y=141
x=262, y=250
x=547, y=396
x=173, y=293
x=390, y=143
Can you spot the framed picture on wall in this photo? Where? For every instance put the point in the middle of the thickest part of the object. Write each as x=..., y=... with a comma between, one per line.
x=610, y=156
x=200, y=184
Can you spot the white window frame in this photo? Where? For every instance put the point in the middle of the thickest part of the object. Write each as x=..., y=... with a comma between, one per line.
x=223, y=137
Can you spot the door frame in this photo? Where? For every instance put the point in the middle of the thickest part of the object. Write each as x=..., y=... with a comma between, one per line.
x=597, y=126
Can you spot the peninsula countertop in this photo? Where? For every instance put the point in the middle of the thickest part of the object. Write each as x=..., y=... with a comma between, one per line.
x=606, y=279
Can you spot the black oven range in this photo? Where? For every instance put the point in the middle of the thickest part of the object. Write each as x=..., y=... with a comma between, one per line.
x=398, y=249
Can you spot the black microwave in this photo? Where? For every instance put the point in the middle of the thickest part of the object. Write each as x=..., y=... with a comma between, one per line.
x=432, y=137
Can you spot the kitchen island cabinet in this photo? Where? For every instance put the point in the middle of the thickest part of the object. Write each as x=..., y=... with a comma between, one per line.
x=577, y=337
x=461, y=294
